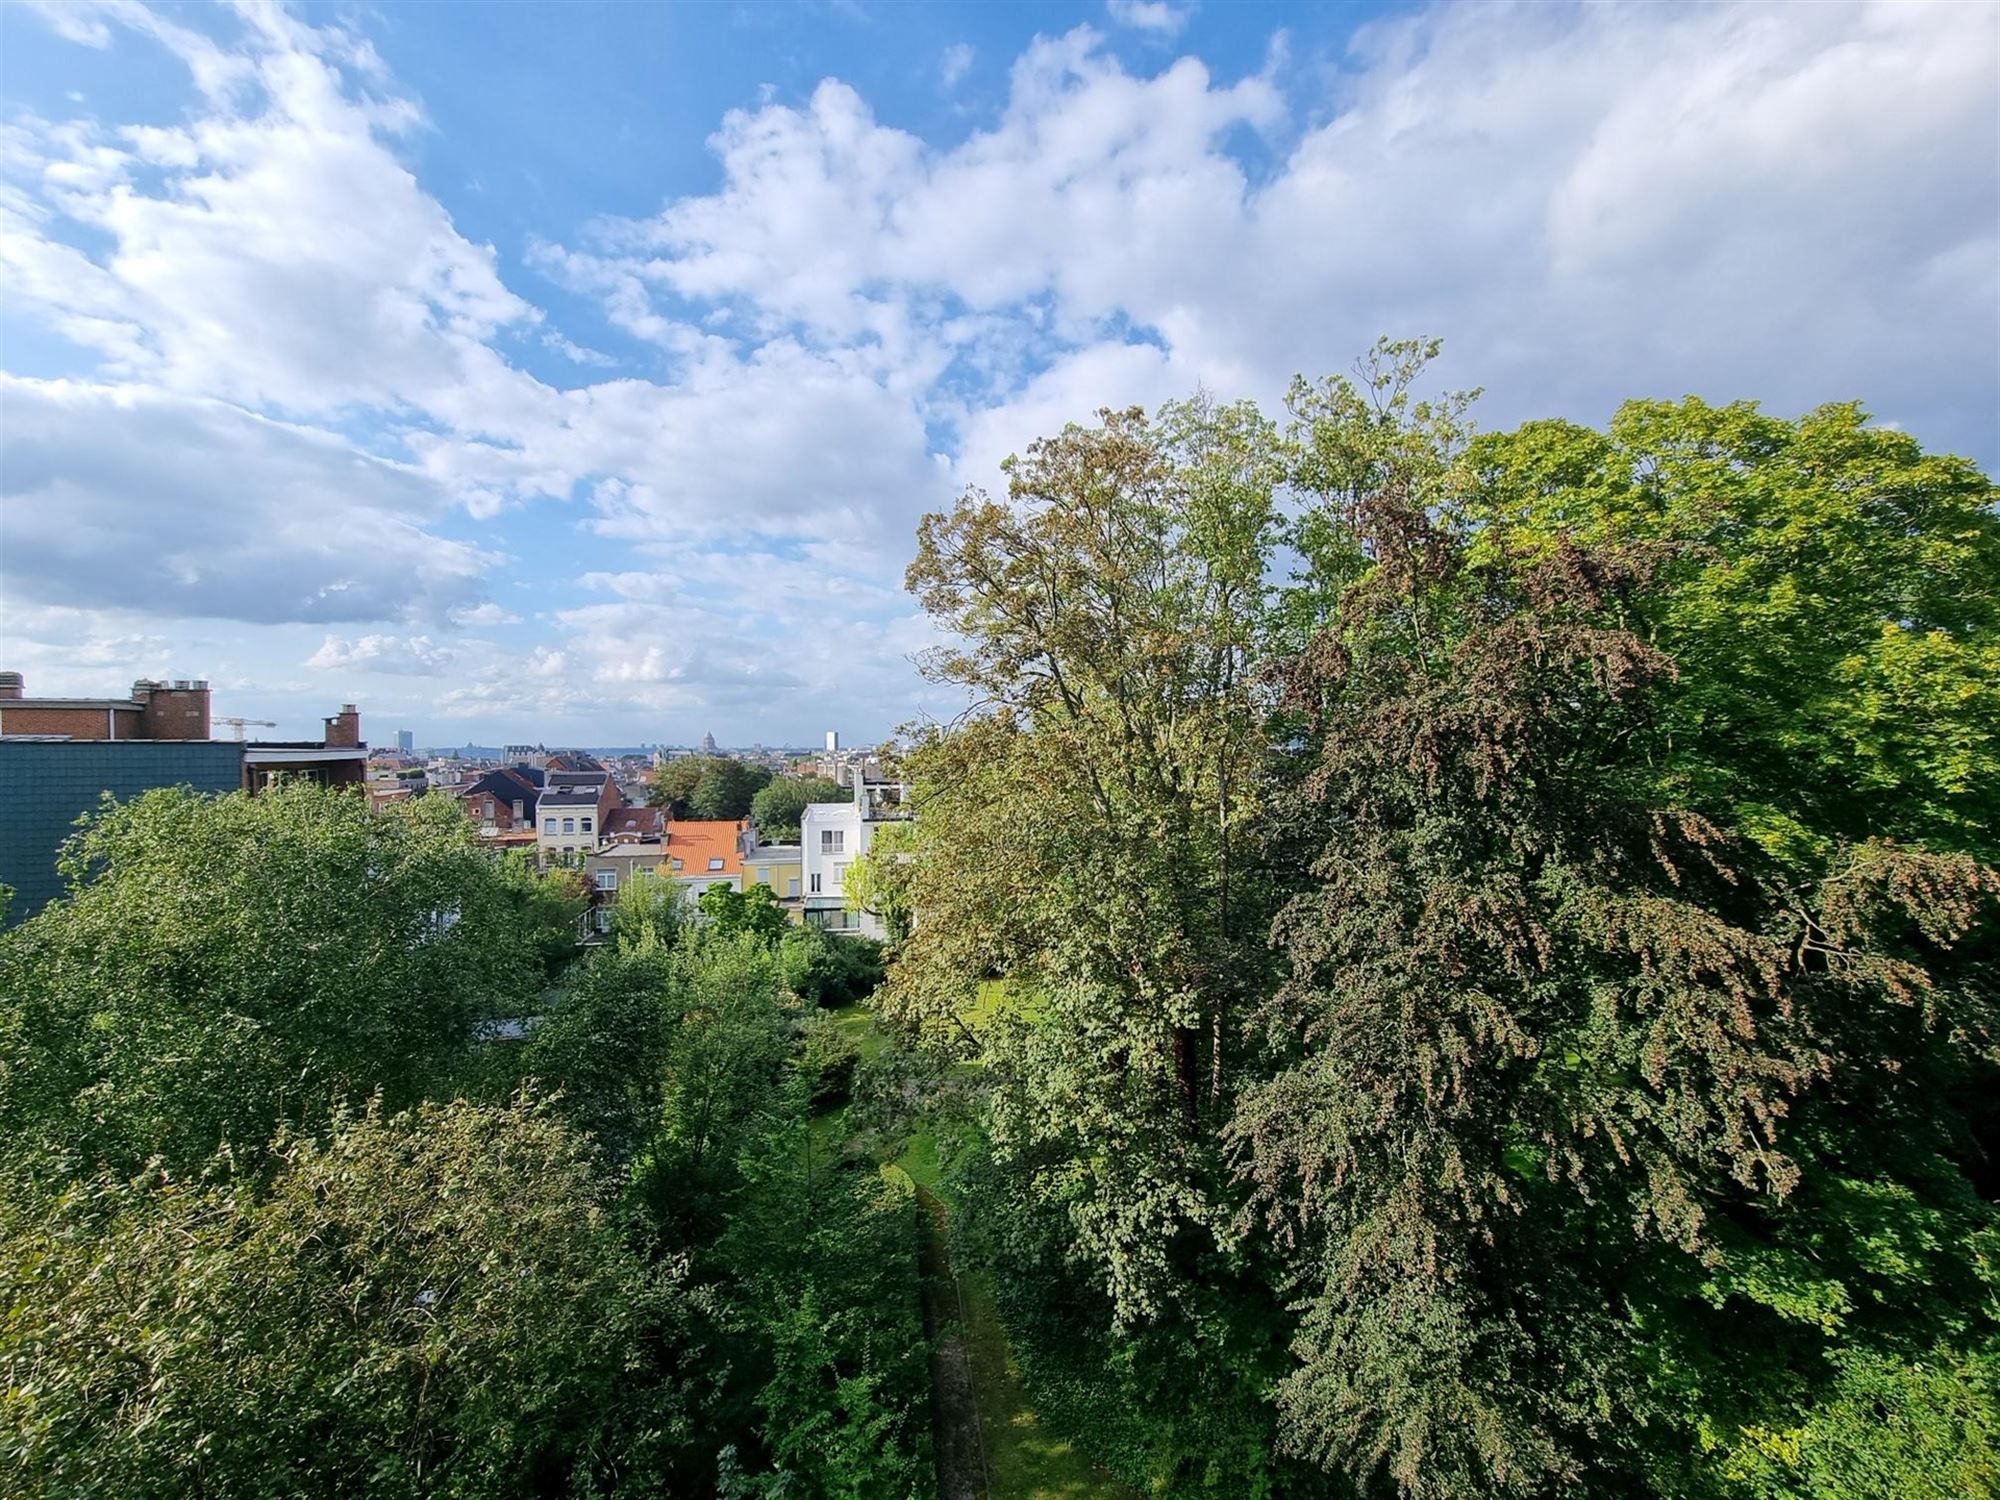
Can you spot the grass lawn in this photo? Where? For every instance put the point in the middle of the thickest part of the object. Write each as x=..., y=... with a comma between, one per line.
x=1024, y=1459
x=857, y=1024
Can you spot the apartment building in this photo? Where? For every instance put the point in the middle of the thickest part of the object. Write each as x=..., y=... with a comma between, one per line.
x=832, y=835
x=571, y=810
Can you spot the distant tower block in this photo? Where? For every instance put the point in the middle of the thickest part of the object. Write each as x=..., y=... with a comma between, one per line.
x=832, y=740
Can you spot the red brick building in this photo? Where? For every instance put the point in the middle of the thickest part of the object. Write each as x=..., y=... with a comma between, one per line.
x=154, y=711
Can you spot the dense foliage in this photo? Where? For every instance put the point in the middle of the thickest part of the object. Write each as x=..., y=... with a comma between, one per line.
x=778, y=807
x=280, y=1216
x=1436, y=965
x=709, y=787
x=229, y=965
x=434, y=1303
x=1488, y=985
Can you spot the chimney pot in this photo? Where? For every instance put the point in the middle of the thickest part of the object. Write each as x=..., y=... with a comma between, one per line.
x=12, y=686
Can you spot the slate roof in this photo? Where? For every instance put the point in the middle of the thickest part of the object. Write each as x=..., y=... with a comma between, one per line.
x=507, y=784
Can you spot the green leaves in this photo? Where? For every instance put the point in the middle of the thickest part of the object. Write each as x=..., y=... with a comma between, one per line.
x=778, y=807
x=436, y=1302
x=1617, y=1076
x=235, y=963
x=710, y=787
x=1833, y=605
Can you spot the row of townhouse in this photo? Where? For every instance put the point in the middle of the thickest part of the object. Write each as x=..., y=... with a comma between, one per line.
x=570, y=811
x=562, y=809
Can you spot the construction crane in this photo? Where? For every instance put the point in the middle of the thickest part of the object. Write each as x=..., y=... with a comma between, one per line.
x=241, y=723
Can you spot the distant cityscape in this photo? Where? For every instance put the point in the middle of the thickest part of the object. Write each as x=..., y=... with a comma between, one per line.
x=598, y=810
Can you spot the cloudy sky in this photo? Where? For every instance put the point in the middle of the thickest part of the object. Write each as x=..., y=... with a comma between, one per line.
x=580, y=373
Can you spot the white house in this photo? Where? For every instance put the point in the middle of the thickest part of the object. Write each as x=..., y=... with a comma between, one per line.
x=833, y=835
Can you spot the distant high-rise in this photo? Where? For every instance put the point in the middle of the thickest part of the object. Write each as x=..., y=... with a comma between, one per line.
x=708, y=744
x=406, y=741
x=833, y=740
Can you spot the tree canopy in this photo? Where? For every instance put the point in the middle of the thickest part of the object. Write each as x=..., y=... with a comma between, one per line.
x=1433, y=964
x=711, y=787
x=324, y=1174
x=1490, y=936
x=778, y=807
x=227, y=965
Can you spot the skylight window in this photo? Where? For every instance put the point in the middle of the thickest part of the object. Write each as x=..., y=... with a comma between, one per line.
x=715, y=864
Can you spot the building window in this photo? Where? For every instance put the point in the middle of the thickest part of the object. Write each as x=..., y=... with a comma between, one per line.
x=549, y=826
x=489, y=809
x=518, y=811
x=715, y=864
x=601, y=918
x=569, y=825
x=586, y=825
x=815, y=882
x=833, y=841
x=792, y=886
x=607, y=880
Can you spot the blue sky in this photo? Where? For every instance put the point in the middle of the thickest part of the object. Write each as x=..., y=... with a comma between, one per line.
x=580, y=372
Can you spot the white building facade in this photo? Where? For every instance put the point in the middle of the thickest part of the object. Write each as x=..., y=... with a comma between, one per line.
x=832, y=836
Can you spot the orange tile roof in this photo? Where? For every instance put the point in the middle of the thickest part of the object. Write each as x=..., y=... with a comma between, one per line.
x=694, y=842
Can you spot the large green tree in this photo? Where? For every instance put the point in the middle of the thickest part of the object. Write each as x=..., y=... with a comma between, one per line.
x=225, y=964
x=777, y=808
x=1830, y=598
x=433, y=1303
x=709, y=787
x=1078, y=830
x=1621, y=1129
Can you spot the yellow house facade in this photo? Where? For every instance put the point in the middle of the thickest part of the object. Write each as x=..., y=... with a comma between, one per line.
x=781, y=868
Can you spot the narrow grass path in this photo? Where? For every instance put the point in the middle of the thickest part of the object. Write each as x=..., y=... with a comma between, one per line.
x=975, y=1375
x=955, y=1431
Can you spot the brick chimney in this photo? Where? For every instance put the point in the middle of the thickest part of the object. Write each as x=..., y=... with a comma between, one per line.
x=12, y=687
x=343, y=730
x=172, y=710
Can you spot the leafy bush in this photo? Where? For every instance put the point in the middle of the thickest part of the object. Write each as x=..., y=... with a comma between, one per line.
x=827, y=1058
x=430, y=1303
